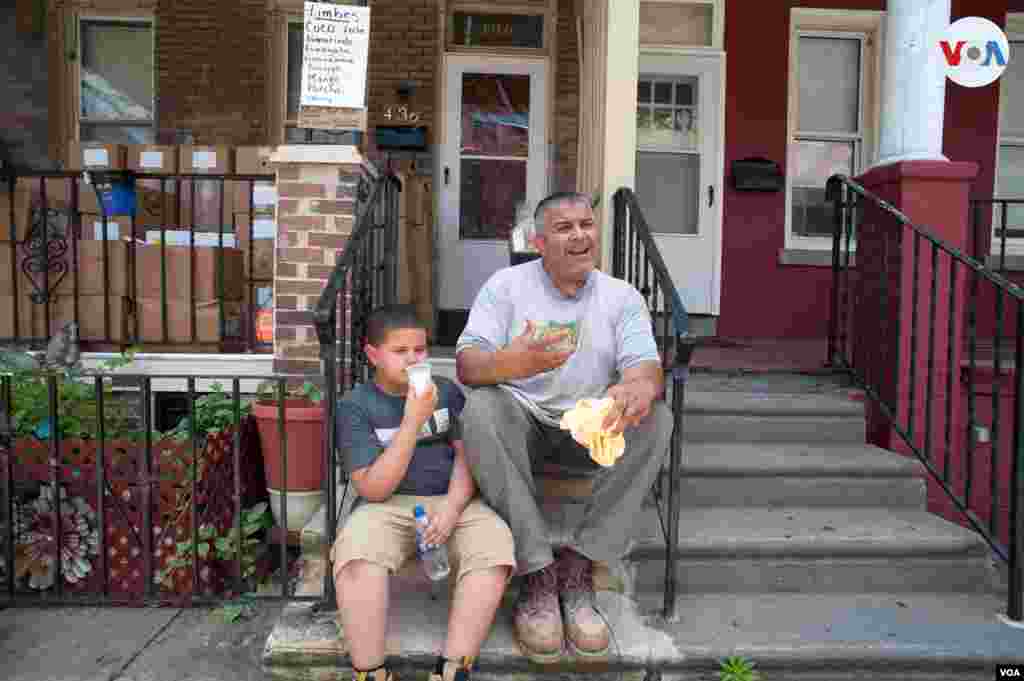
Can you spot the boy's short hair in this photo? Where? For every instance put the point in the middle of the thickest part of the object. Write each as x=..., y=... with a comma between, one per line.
x=388, y=318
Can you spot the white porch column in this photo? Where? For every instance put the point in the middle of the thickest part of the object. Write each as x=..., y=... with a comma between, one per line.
x=620, y=60
x=913, y=81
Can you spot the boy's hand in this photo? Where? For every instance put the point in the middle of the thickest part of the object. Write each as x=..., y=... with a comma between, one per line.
x=419, y=408
x=442, y=521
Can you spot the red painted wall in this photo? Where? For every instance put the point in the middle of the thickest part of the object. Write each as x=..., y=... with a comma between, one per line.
x=760, y=297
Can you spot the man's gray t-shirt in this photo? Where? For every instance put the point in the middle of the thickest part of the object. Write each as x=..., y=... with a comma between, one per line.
x=613, y=329
x=368, y=419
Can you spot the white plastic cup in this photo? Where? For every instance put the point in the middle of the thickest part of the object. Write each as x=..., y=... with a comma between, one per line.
x=419, y=376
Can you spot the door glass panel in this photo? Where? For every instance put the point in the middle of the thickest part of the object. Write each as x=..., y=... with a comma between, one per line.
x=489, y=191
x=668, y=188
x=667, y=112
x=495, y=115
x=495, y=146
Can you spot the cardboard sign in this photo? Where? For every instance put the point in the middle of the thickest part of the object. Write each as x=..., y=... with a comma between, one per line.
x=330, y=118
x=336, y=42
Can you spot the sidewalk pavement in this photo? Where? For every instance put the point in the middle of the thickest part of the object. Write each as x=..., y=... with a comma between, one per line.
x=133, y=644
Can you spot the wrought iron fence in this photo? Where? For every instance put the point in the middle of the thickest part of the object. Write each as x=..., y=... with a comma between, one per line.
x=904, y=305
x=364, y=277
x=98, y=508
x=636, y=259
x=171, y=260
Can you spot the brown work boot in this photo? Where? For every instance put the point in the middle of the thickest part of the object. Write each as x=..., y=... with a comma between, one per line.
x=538, y=622
x=586, y=630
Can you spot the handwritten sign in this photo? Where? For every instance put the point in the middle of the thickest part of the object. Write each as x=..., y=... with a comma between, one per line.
x=332, y=118
x=336, y=41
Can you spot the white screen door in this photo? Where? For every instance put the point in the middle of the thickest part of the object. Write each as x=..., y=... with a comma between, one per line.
x=491, y=162
x=679, y=169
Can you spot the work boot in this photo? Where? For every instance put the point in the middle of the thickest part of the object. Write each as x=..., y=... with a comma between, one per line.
x=381, y=673
x=586, y=630
x=454, y=669
x=538, y=622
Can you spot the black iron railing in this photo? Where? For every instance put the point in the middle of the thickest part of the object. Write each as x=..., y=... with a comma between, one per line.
x=187, y=267
x=908, y=284
x=996, y=224
x=636, y=259
x=364, y=277
x=99, y=508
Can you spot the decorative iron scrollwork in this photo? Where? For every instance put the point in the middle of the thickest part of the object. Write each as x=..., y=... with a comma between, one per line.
x=45, y=252
x=363, y=189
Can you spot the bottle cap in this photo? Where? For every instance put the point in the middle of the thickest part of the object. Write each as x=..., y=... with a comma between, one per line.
x=419, y=511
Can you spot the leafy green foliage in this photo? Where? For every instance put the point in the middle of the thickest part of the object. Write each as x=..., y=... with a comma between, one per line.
x=224, y=547
x=242, y=607
x=214, y=412
x=737, y=668
x=268, y=391
x=77, y=409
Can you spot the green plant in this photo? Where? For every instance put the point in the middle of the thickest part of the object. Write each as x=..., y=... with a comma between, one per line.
x=223, y=547
x=213, y=412
x=737, y=668
x=77, y=408
x=269, y=391
x=240, y=608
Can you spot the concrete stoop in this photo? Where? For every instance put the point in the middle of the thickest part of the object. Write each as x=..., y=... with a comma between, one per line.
x=884, y=636
x=800, y=548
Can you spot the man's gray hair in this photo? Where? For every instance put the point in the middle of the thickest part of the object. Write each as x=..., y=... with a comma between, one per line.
x=557, y=200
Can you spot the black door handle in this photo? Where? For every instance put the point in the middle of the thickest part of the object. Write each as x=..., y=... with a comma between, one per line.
x=446, y=176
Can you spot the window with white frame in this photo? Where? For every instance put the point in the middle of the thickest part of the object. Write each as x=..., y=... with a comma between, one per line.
x=1010, y=158
x=829, y=131
x=293, y=134
x=116, y=81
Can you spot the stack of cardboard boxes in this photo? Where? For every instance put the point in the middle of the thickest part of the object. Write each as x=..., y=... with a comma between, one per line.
x=170, y=278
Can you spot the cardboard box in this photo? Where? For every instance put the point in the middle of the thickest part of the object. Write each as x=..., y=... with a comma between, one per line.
x=179, y=321
x=152, y=158
x=178, y=261
x=215, y=160
x=95, y=156
x=90, y=270
x=253, y=160
x=92, y=317
x=263, y=240
x=22, y=214
x=31, y=319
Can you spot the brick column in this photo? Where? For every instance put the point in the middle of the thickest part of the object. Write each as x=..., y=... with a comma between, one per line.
x=316, y=187
x=934, y=196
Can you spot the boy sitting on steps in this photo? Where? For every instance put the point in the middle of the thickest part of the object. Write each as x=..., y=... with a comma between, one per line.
x=406, y=449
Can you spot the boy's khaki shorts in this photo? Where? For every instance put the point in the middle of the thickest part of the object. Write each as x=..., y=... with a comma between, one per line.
x=384, y=533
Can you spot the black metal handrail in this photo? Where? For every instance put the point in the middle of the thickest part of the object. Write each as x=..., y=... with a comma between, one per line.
x=871, y=291
x=997, y=222
x=45, y=247
x=636, y=259
x=367, y=265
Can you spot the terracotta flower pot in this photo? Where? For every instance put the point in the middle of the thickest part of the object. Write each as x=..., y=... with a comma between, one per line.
x=304, y=425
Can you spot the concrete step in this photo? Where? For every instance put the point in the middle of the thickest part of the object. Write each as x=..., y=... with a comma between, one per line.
x=810, y=550
x=778, y=474
x=799, y=637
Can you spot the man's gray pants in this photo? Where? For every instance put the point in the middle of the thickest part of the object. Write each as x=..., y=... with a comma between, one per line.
x=503, y=443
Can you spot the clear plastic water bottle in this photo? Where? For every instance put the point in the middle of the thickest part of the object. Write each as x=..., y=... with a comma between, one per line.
x=434, y=558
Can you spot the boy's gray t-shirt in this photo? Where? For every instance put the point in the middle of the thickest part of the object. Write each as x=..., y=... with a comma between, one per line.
x=368, y=419
x=613, y=333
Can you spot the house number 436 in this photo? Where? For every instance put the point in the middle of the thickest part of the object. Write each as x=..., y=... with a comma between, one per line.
x=401, y=113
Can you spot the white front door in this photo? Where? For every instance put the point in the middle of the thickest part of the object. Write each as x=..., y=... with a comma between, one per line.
x=492, y=162
x=679, y=168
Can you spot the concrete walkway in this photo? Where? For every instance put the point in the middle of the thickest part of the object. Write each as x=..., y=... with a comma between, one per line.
x=132, y=644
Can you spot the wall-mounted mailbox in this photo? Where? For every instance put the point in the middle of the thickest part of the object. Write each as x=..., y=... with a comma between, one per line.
x=401, y=138
x=757, y=175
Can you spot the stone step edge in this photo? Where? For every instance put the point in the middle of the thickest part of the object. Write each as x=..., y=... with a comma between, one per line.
x=969, y=547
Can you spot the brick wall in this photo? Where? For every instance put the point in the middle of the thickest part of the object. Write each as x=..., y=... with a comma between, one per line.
x=315, y=218
x=211, y=71
x=567, y=97
x=23, y=89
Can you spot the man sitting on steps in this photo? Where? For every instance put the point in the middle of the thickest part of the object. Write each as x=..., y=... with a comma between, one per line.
x=600, y=344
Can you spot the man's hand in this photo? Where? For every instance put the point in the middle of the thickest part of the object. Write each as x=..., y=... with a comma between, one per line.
x=533, y=356
x=443, y=517
x=632, y=404
x=419, y=408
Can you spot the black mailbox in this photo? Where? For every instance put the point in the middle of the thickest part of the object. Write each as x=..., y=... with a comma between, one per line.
x=756, y=175
x=401, y=138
